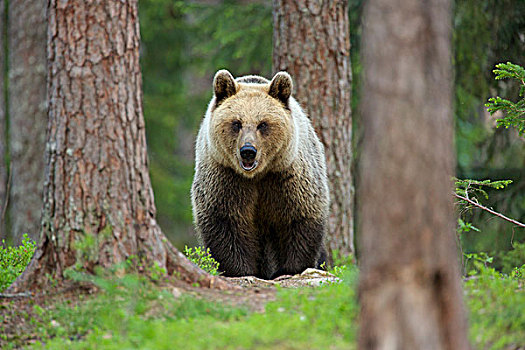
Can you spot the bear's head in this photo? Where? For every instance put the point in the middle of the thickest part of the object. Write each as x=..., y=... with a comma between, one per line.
x=251, y=123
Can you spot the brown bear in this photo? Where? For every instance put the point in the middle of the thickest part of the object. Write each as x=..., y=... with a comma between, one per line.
x=260, y=193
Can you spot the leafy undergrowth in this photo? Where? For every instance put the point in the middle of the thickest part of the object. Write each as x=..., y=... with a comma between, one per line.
x=497, y=308
x=201, y=257
x=13, y=260
x=132, y=313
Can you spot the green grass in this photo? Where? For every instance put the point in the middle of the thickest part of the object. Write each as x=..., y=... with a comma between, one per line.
x=132, y=312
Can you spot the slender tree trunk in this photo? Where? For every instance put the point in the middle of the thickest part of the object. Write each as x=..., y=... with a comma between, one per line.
x=3, y=135
x=312, y=43
x=410, y=287
x=98, y=202
x=27, y=113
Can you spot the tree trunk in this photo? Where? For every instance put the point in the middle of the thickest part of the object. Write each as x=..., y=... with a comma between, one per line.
x=3, y=135
x=98, y=202
x=312, y=43
x=410, y=287
x=27, y=113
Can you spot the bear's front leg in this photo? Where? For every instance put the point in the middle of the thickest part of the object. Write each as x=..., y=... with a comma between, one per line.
x=300, y=246
x=223, y=207
x=230, y=244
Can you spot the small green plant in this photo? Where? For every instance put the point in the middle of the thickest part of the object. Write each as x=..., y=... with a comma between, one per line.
x=514, y=112
x=473, y=261
x=86, y=247
x=513, y=258
x=341, y=263
x=14, y=260
x=136, y=264
x=202, y=258
x=496, y=303
x=518, y=273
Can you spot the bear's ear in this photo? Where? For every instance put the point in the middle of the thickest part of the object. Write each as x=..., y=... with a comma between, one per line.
x=224, y=85
x=281, y=87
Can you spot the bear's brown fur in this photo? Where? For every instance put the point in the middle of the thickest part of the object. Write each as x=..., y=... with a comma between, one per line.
x=260, y=192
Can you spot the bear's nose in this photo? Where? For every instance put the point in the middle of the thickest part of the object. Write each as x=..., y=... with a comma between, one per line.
x=248, y=152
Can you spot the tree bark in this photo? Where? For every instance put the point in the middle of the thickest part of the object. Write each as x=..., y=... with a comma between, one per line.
x=409, y=286
x=27, y=114
x=98, y=201
x=312, y=43
x=3, y=135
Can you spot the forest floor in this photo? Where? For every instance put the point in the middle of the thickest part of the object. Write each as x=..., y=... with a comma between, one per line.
x=21, y=316
x=134, y=312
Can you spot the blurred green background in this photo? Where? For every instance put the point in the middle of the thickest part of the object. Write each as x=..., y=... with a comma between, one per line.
x=185, y=43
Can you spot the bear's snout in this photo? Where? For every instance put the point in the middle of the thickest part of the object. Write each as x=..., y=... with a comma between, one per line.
x=248, y=152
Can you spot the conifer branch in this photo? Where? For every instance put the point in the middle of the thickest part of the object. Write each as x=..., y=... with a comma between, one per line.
x=517, y=223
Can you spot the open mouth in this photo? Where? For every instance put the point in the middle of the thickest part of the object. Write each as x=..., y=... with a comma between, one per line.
x=248, y=165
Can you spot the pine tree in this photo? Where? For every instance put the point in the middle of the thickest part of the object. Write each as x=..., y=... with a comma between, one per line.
x=98, y=201
x=410, y=287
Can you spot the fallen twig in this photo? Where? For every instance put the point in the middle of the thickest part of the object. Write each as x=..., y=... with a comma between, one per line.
x=16, y=295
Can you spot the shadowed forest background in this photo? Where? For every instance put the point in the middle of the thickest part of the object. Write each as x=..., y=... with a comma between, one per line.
x=204, y=37
x=184, y=43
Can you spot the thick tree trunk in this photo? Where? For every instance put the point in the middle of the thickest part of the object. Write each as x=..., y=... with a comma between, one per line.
x=410, y=287
x=27, y=113
x=98, y=202
x=312, y=43
x=3, y=135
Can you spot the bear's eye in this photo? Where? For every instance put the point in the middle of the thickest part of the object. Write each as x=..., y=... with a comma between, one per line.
x=236, y=126
x=262, y=127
